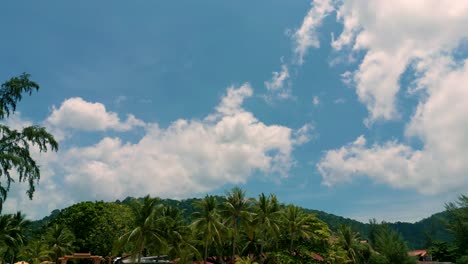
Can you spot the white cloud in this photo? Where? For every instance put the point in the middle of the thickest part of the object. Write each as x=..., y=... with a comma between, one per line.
x=304, y=134
x=232, y=103
x=279, y=84
x=15, y=121
x=394, y=34
x=440, y=123
x=306, y=37
x=339, y=101
x=76, y=113
x=186, y=158
x=120, y=99
x=316, y=101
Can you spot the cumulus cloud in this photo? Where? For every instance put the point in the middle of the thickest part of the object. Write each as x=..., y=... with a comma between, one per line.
x=393, y=35
x=16, y=121
x=183, y=159
x=76, y=113
x=440, y=123
x=232, y=103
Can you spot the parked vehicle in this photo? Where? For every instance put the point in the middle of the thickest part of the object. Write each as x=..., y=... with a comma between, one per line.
x=163, y=259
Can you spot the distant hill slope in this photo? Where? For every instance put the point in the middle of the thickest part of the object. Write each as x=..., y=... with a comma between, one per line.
x=416, y=234
x=419, y=233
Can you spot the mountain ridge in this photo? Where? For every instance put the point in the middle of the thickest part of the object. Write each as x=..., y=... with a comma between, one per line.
x=416, y=234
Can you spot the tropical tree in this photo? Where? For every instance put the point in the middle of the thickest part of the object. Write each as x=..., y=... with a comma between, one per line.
x=177, y=233
x=13, y=229
x=36, y=251
x=458, y=223
x=391, y=245
x=443, y=252
x=295, y=224
x=60, y=241
x=266, y=218
x=8, y=236
x=235, y=211
x=145, y=231
x=206, y=221
x=94, y=225
x=349, y=241
x=245, y=260
x=15, y=144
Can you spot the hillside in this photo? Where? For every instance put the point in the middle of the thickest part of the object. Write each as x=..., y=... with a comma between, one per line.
x=416, y=234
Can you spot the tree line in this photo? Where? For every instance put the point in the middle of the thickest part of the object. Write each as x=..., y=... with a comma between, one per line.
x=220, y=229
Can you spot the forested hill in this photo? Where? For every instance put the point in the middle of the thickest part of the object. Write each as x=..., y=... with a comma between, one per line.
x=416, y=234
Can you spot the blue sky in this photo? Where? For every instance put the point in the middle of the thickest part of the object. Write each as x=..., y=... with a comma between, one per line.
x=355, y=109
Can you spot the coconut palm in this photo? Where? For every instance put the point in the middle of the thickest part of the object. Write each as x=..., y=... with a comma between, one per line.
x=177, y=234
x=235, y=211
x=8, y=235
x=145, y=231
x=295, y=224
x=60, y=241
x=207, y=221
x=266, y=218
x=36, y=251
x=349, y=241
x=13, y=229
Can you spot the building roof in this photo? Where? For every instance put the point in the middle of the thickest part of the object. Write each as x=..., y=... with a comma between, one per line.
x=418, y=253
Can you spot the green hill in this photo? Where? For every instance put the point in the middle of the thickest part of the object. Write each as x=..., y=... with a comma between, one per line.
x=416, y=234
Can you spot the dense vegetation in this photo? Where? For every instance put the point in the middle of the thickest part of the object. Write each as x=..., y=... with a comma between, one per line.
x=223, y=226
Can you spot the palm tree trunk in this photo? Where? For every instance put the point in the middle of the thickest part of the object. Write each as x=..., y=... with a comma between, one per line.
x=233, y=246
x=261, y=252
x=206, y=251
x=291, y=245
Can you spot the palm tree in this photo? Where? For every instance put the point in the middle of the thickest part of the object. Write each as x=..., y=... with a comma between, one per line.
x=145, y=232
x=177, y=234
x=266, y=218
x=235, y=211
x=295, y=221
x=349, y=241
x=12, y=234
x=8, y=235
x=207, y=221
x=60, y=241
x=36, y=251
x=391, y=245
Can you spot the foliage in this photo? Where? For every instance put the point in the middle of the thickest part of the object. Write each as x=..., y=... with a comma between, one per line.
x=262, y=229
x=177, y=234
x=391, y=245
x=458, y=223
x=36, y=251
x=245, y=260
x=442, y=251
x=146, y=232
x=267, y=221
x=13, y=228
x=207, y=223
x=235, y=211
x=94, y=225
x=60, y=241
x=349, y=241
x=15, y=145
x=462, y=260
